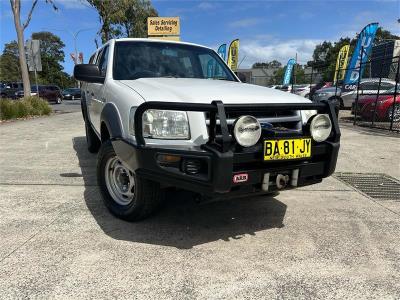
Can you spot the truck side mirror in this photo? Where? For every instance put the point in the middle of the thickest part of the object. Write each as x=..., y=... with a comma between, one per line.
x=88, y=73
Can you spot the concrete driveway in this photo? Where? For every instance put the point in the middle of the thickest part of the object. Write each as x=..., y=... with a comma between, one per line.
x=58, y=241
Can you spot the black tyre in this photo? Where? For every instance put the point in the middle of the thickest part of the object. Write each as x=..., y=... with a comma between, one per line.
x=126, y=195
x=93, y=142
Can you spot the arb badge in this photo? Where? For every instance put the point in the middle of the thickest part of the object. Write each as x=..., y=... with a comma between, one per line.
x=243, y=177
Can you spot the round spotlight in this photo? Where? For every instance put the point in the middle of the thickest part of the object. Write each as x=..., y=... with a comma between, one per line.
x=320, y=127
x=247, y=131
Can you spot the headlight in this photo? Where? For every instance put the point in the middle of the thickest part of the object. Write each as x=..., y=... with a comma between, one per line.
x=320, y=127
x=247, y=131
x=162, y=124
x=307, y=114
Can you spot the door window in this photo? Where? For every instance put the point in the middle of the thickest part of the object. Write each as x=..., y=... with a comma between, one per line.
x=369, y=86
x=103, y=61
x=386, y=86
x=91, y=60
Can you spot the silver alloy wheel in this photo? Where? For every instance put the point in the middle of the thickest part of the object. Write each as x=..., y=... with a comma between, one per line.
x=120, y=181
x=58, y=100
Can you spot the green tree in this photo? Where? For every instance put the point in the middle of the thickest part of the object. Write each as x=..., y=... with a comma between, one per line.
x=123, y=18
x=272, y=64
x=52, y=56
x=277, y=78
x=382, y=34
x=20, y=28
x=9, y=64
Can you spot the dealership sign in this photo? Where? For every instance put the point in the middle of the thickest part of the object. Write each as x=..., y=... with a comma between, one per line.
x=360, y=54
x=166, y=27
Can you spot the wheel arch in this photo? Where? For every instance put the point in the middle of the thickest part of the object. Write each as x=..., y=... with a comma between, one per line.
x=110, y=121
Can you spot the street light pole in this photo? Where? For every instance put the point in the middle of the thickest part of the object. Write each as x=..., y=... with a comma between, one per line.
x=74, y=36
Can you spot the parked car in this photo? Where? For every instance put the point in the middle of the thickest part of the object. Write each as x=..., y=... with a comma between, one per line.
x=51, y=93
x=303, y=90
x=382, y=107
x=284, y=88
x=71, y=93
x=346, y=99
x=8, y=89
x=150, y=110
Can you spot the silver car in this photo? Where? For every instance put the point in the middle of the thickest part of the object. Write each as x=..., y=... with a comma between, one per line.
x=346, y=99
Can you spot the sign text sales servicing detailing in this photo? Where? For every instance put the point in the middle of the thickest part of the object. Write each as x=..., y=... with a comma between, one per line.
x=163, y=26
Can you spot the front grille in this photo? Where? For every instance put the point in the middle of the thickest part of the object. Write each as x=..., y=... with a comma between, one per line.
x=286, y=120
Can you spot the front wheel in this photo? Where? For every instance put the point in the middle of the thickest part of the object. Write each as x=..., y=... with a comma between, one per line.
x=125, y=194
x=58, y=100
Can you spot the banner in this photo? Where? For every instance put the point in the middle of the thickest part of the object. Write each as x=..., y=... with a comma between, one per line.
x=360, y=54
x=233, y=55
x=288, y=73
x=341, y=63
x=222, y=51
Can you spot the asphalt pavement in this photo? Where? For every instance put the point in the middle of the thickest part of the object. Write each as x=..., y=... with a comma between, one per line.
x=57, y=240
x=67, y=106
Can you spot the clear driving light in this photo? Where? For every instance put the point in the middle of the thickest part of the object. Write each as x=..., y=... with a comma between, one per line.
x=165, y=124
x=247, y=131
x=320, y=127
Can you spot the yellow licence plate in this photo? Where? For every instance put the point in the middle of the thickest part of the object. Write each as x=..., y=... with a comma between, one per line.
x=287, y=149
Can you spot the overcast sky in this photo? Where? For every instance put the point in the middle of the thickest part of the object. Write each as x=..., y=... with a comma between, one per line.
x=267, y=29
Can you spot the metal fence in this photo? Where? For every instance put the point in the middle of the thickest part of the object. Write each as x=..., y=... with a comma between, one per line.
x=373, y=100
x=380, y=108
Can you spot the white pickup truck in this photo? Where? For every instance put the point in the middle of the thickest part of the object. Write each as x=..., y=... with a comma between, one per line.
x=170, y=114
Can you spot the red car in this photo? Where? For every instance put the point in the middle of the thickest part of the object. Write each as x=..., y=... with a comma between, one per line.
x=384, y=106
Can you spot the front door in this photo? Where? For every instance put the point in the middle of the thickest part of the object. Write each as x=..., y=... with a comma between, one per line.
x=96, y=90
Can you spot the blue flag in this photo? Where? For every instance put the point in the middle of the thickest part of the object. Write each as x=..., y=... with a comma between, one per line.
x=222, y=51
x=288, y=72
x=364, y=42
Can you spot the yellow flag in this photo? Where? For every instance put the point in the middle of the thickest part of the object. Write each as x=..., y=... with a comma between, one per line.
x=341, y=63
x=233, y=55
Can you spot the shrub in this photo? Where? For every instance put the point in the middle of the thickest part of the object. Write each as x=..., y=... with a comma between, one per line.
x=28, y=106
